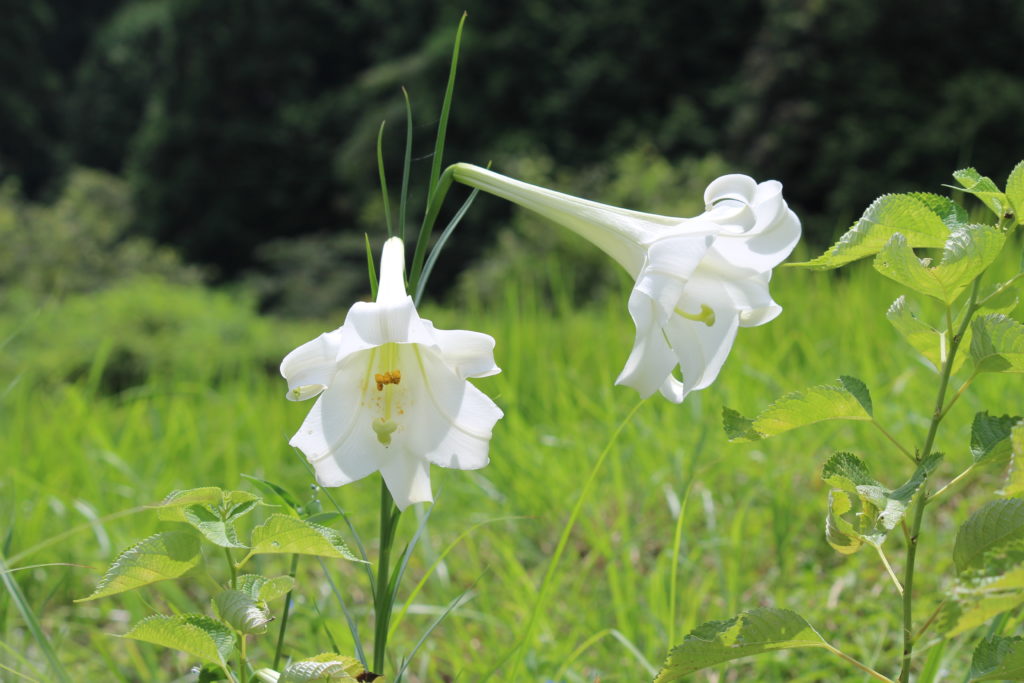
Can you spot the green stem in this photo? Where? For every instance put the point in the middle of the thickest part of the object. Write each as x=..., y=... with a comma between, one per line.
x=888, y=568
x=284, y=615
x=959, y=393
x=241, y=658
x=383, y=599
x=863, y=667
x=948, y=487
x=922, y=500
x=231, y=566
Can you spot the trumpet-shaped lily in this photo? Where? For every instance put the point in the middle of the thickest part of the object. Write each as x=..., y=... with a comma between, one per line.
x=698, y=280
x=393, y=393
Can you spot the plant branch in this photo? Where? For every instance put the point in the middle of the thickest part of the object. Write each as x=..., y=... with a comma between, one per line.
x=888, y=568
x=896, y=443
x=953, y=482
x=860, y=665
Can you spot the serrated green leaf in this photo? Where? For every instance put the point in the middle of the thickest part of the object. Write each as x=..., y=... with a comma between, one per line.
x=212, y=527
x=160, y=557
x=243, y=612
x=878, y=511
x=170, y=508
x=945, y=208
x=839, y=533
x=928, y=341
x=1015, y=191
x=264, y=588
x=997, y=526
x=997, y=344
x=984, y=189
x=969, y=250
x=998, y=658
x=990, y=437
x=848, y=399
x=198, y=635
x=887, y=215
x=750, y=633
x=285, y=534
x=324, y=667
x=1015, y=473
x=967, y=612
x=737, y=427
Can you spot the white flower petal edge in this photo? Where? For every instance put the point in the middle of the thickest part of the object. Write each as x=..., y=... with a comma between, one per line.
x=697, y=279
x=394, y=395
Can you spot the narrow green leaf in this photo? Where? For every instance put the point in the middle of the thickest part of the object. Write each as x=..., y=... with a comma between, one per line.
x=264, y=588
x=428, y=268
x=1015, y=191
x=275, y=491
x=212, y=527
x=198, y=635
x=1015, y=475
x=848, y=399
x=889, y=214
x=243, y=612
x=284, y=534
x=997, y=344
x=160, y=557
x=990, y=437
x=984, y=189
x=998, y=658
x=998, y=526
x=324, y=667
x=751, y=633
x=383, y=179
x=969, y=250
x=406, y=163
x=370, y=270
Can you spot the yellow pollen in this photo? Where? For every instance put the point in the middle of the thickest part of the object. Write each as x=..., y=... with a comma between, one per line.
x=392, y=377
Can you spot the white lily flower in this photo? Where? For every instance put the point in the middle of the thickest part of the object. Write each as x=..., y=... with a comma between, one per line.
x=393, y=393
x=698, y=280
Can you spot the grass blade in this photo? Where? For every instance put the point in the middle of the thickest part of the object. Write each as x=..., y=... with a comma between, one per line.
x=457, y=602
x=383, y=178
x=18, y=598
x=406, y=164
x=436, y=251
x=352, y=626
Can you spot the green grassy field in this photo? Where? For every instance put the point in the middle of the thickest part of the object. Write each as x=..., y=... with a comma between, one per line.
x=76, y=453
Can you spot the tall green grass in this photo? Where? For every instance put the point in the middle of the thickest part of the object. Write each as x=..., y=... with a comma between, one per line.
x=752, y=532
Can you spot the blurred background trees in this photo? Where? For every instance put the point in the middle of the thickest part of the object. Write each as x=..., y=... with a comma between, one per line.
x=243, y=131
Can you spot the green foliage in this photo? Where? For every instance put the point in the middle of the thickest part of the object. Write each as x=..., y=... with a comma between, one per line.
x=263, y=588
x=323, y=667
x=879, y=509
x=211, y=511
x=996, y=528
x=997, y=344
x=140, y=331
x=290, y=535
x=1015, y=476
x=160, y=557
x=922, y=222
x=198, y=635
x=849, y=399
x=998, y=658
x=82, y=242
x=968, y=252
x=927, y=340
x=1015, y=191
x=750, y=633
x=242, y=611
x=984, y=189
x=990, y=437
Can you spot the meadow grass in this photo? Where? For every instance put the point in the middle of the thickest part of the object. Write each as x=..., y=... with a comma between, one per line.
x=749, y=517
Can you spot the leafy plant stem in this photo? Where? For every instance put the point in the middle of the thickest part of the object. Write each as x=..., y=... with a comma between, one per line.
x=1000, y=289
x=284, y=615
x=926, y=449
x=863, y=667
x=383, y=598
x=888, y=568
x=241, y=657
x=563, y=541
x=886, y=434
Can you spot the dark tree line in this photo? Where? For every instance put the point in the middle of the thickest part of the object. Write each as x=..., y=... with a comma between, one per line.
x=241, y=121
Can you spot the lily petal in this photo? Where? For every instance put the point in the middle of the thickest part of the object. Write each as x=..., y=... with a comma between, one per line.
x=470, y=354
x=651, y=358
x=408, y=478
x=310, y=367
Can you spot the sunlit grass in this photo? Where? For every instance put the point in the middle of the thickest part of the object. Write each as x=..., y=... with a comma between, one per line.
x=751, y=535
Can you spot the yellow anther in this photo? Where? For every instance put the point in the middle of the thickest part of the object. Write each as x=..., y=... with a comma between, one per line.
x=396, y=376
